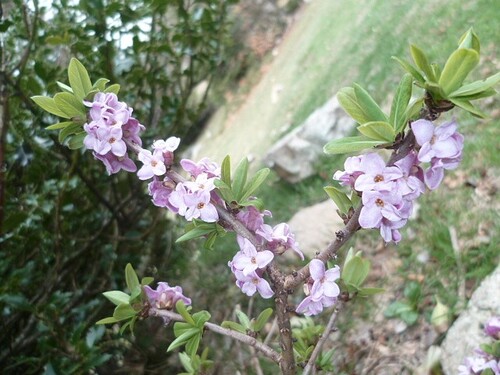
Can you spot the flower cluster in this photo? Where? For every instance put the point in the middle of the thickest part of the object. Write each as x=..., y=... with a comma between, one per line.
x=111, y=126
x=191, y=199
x=165, y=297
x=388, y=192
x=321, y=290
x=248, y=266
x=485, y=362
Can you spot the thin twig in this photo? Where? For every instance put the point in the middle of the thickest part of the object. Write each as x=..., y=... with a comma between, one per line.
x=326, y=333
x=264, y=349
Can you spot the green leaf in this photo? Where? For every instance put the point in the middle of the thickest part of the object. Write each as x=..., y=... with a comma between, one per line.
x=410, y=69
x=413, y=110
x=409, y=317
x=422, y=62
x=183, y=339
x=234, y=326
x=181, y=309
x=254, y=183
x=100, y=84
x=64, y=87
x=49, y=105
x=262, y=319
x=109, y=320
x=396, y=309
x=348, y=101
x=457, y=68
x=365, y=292
x=124, y=311
x=59, y=125
x=368, y=105
x=201, y=317
x=198, y=231
x=193, y=344
x=69, y=130
x=466, y=105
x=131, y=279
x=400, y=103
x=470, y=40
x=225, y=190
x=79, y=79
x=256, y=202
x=350, y=144
x=243, y=318
x=476, y=87
x=70, y=105
x=76, y=141
x=186, y=362
x=355, y=271
x=340, y=199
x=181, y=327
x=226, y=171
x=115, y=88
x=378, y=130
x=147, y=280
x=240, y=178
x=117, y=297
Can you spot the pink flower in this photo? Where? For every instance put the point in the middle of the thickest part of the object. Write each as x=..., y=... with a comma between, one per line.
x=203, y=166
x=247, y=260
x=251, y=283
x=160, y=191
x=153, y=165
x=279, y=238
x=492, y=327
x=352, y=171
x=378, y=205
x=321, y=287
x=165, y=297
x=115, y=163
x=376, y=176
x=252, y=218
x=441, y=146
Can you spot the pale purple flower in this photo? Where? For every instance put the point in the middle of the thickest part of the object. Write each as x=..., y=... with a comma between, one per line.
x=252, y=218
x=115, y=163
x=251, y=283
x=352, y=166
x=476, y=365
x=165, y=297
x=154, y=165
x=378, y=205
x=202, y=182
x=411, y=184
x=110, y=140
x=389, y=230
x=193, y=205
x=160, y=191
x=131, y=131
x=248, y=259
x=322, y=289
x=205, y=165
x=166, y=149
x=376, y=176
x=492, y=327
x=443, y=142
x=279, y=238
x=309, y=307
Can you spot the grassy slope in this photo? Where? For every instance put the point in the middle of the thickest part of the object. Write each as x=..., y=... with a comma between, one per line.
x=332, y=44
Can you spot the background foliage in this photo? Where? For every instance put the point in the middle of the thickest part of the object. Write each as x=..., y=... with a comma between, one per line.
x=68, y=229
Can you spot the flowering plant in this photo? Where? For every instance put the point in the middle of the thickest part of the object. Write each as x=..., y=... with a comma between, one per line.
x=217, y=199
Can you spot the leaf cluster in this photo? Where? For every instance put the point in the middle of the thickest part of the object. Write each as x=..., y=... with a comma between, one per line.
x=69, y=104
x=246, y=325
x=128, y=306
x=354, y=274
x=446, y=83
x=406, y=309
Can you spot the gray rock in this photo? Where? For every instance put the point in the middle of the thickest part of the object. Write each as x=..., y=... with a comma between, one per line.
x=466, y=333
x=294, y=155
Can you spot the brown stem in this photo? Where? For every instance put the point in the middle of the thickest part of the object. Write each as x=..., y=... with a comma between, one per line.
x=249, y=340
